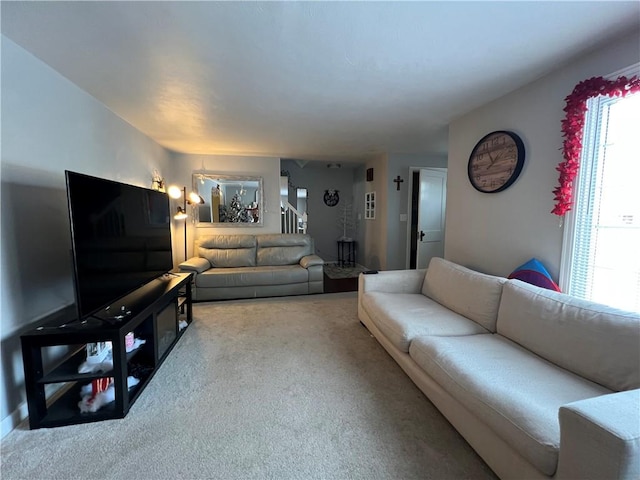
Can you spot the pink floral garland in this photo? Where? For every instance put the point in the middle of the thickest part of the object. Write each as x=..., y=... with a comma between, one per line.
x=573, y=126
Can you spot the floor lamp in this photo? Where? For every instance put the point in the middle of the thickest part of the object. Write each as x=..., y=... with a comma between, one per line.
x=181, y=212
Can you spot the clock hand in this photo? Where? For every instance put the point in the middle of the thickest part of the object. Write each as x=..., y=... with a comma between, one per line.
x=494, y=160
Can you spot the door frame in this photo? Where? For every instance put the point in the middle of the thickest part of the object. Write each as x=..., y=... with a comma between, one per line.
x=413, y=170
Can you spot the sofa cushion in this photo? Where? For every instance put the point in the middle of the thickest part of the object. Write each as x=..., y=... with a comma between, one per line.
x=595, y=341
x=403, y=316
x=516, y=393
x=252, y=276
x=282, y=249
x=228, y=250
x=472, y=294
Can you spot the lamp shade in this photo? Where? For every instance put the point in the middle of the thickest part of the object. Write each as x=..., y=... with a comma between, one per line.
x=194, y=198
x=180, y=214
x=174, y=192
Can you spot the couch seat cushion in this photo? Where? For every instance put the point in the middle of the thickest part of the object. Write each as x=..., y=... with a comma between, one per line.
x=252, y=276
x=403, y=316
x=515, y=392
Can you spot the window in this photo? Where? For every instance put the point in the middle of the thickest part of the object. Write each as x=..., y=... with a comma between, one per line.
x=601, y=257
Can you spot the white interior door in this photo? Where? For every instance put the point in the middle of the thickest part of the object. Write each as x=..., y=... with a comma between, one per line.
x=431, y=211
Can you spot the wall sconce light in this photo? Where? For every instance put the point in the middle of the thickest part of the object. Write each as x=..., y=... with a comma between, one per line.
x=157, y=182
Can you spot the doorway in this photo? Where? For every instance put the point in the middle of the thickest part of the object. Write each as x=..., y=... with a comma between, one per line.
x=427, y=202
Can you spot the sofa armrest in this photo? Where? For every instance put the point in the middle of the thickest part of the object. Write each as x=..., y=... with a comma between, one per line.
x=392, y=281
x=600, y=437
x=195, y=264
x=311, y=260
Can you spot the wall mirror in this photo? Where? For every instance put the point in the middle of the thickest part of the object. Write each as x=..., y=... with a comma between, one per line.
x=229, y=200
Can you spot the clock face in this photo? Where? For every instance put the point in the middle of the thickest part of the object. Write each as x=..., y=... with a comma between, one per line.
x=496, y=161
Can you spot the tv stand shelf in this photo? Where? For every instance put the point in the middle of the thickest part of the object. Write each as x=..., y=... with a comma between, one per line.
x=157, y=312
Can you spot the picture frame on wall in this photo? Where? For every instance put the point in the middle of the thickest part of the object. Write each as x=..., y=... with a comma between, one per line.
x=369, y=174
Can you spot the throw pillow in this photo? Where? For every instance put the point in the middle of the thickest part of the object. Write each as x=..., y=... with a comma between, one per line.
x=533, y=272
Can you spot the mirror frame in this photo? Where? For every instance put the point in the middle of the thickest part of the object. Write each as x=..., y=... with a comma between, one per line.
x=219, y=178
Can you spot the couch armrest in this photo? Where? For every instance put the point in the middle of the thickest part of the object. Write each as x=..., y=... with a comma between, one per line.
x=311, y=260
x=600, y=437
x=195, y=264
x=392, y=281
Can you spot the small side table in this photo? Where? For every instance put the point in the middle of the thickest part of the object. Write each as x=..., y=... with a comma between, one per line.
x=347, y=253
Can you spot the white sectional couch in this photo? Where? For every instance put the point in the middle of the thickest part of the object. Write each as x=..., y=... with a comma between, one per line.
x=541, y=384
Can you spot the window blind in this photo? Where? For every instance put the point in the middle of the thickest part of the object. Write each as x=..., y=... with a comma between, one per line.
x=605, y=259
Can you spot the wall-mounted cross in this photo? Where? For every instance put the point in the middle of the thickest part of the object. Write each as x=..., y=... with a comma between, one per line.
x=398, y=181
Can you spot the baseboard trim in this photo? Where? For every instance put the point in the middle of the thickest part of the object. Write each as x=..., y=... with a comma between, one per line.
x=14, y=419
x=21, y=414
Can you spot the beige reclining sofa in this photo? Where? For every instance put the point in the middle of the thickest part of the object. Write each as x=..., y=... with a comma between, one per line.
x=248, y=266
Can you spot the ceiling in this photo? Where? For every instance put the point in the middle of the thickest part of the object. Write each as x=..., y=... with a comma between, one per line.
x=307, y=80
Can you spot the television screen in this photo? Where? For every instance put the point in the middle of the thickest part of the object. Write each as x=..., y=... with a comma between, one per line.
x=120, y=236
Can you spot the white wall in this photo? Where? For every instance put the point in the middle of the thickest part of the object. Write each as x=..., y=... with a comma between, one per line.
x=49, y=125
x=384, y=239
x=495, y=233
x=324, y=222
x=374, y=254
x=398, y=203
x=181, y=174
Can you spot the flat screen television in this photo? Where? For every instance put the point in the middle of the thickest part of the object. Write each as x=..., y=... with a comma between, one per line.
x=120, y=237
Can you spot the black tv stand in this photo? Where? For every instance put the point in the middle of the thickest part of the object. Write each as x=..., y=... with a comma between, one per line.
x=156, y=312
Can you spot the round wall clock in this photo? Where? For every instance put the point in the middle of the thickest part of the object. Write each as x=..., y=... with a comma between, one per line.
x=496, y=161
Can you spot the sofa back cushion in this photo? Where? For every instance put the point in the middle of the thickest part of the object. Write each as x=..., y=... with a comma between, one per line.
x=228, y=250
x=597, y=342
x=472, y=294
x=283, y=249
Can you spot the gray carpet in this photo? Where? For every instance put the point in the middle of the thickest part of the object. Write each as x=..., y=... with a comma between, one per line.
x=284, y=388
